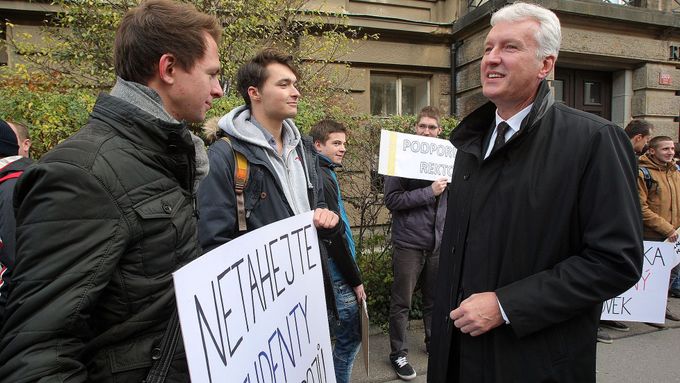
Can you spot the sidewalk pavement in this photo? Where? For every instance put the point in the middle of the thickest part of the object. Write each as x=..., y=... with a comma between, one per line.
x=643, y=354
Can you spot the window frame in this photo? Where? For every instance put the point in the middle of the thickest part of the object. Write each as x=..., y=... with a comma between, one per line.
x=399, y=76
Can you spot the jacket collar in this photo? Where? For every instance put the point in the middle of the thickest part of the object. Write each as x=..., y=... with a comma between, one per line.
x=651, y=162
x=142, y=128
x=325, y=162
x=469, y=135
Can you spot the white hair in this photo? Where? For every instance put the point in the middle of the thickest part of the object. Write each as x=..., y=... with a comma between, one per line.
x=549, y=34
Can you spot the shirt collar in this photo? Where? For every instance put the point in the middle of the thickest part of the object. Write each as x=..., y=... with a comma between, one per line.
x=515, y=121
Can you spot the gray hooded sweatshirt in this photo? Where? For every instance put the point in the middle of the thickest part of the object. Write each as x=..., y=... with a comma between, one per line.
x=291, y=173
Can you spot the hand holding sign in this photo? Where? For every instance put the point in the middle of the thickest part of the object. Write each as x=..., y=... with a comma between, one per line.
x=439, y=185
x=254, y=310
x=413, y=156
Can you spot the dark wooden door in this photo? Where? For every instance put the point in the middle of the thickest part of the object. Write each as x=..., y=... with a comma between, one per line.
x=590, y=91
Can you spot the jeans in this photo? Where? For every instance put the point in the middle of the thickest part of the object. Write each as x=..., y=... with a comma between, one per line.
x=675, y=280
x=407, y=266
x=346, y=329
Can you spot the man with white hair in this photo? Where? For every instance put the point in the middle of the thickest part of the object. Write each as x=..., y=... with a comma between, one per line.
x=543, y=221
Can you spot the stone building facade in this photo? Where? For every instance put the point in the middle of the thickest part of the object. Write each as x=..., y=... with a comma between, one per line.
x=619, y=58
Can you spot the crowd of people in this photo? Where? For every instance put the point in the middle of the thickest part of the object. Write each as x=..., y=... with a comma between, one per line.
x=542, y=221
x=659, y=191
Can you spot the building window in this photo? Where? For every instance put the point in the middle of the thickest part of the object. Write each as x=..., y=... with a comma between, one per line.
x=392, y=94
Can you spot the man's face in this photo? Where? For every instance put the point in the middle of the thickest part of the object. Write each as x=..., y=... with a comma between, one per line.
x=192, y=93
x=510, y=70
x=278, y=96
x=334, y=147
x=428, y=127
x=664, y=151
x=640, y=142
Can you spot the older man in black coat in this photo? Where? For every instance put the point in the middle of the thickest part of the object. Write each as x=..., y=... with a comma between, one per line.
x=543, y=221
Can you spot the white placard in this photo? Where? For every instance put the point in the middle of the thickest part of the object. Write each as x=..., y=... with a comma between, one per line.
x=254, y=310
x=646, y=300
x=413, y=156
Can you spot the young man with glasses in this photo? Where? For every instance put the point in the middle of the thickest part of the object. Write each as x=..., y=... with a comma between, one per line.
x=418, y=209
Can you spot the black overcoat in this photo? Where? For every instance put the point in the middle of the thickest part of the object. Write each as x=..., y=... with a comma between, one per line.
x=551, y=223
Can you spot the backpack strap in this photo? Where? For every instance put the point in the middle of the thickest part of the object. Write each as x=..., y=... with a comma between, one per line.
x=647, y=177
x=241, y=174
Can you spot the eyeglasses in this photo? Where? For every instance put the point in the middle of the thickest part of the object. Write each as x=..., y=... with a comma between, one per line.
x=425, y=126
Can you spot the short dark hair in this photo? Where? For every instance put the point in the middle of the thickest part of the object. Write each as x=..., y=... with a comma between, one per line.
x=322, y=129
x=254, y=72
x=654, y=142
x=22, y=130
x=639, y=126
x=158, y=27
x=429, y=111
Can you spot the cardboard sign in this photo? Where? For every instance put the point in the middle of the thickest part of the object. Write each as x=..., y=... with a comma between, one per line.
x=646, y=301
x=253, y=310
x=417, y=157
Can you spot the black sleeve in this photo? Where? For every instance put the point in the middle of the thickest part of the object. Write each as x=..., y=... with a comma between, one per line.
x=70, y=237
x=336, y=244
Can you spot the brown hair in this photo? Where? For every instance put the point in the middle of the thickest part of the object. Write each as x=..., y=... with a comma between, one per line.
x=638, y=126
x=22, y=130
x=322, y=129
x=656, y=141
x=158, y=27
x=254, y=72
x=429, y=111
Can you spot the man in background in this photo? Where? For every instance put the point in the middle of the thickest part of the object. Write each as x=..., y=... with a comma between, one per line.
x=639, y=131
x=330, y=139
x=418, y=209
x=659, y=188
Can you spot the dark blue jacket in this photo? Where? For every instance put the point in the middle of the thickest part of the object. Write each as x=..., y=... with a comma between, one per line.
x=338, y=246
x=417, y=215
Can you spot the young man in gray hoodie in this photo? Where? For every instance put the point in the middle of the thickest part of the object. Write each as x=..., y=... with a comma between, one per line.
x=283, y=168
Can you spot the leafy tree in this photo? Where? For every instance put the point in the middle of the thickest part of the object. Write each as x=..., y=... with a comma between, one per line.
x=77, y=43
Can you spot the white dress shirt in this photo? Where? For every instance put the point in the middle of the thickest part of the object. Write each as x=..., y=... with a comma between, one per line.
x=515, y=122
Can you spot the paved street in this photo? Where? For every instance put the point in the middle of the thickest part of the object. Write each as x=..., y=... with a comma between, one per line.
x=645, y=354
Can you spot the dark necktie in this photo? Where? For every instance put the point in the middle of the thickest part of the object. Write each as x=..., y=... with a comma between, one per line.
x=501, y=129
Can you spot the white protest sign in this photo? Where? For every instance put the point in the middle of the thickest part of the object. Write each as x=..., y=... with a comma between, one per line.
x=646, y=300
x=253, y=310
x=413, y=156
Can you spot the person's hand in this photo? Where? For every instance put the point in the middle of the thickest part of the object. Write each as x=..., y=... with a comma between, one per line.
x=673, y=237
x=477, y=314
x=360, y=293
x=438, y=186
x=325, y=219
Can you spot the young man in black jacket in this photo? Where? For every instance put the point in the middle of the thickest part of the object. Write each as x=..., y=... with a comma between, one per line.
x=106, y=217
x=329, y=139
